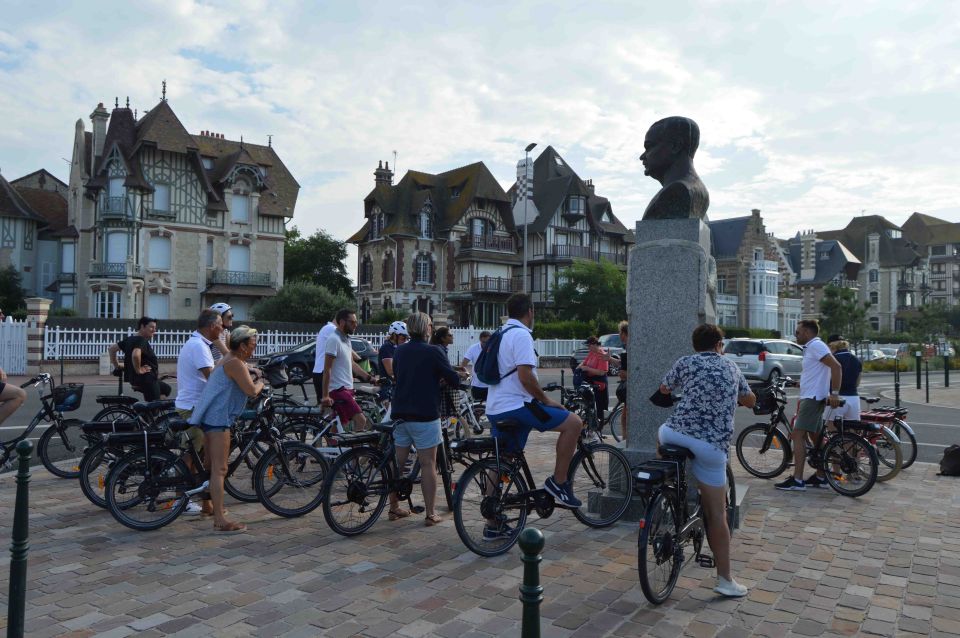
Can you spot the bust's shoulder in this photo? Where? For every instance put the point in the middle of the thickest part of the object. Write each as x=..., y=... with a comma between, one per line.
x=679, y=199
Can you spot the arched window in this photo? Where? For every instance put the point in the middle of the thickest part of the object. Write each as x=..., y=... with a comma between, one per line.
x=480, y=227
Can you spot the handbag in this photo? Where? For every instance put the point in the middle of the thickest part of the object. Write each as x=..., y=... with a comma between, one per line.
x=662, y=400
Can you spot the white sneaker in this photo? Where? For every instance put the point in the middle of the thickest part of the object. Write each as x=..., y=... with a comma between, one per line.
x=730, y=588
x=193, y=509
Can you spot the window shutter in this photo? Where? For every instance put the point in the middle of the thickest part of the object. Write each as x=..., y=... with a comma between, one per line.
x=433, y=272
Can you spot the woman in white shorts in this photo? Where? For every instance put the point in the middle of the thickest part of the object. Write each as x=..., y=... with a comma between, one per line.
x=702, y=421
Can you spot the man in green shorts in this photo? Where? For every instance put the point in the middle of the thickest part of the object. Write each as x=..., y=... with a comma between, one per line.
x=819, y=385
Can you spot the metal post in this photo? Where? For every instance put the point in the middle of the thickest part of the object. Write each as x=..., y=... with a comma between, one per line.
x=531, y=593
x=896, y=380
x=526, y=197
x=563, y=373
x=946, y=371
x=927, y=366
x=919, y=360
x=16, y=603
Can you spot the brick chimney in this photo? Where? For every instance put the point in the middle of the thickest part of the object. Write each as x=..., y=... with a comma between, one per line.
x=99, y=119
x=808, y=255
x=383, y=174
x=590, y=188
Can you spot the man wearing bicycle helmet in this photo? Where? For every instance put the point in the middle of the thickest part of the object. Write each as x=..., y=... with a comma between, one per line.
x=397, y=335
x=219, y=346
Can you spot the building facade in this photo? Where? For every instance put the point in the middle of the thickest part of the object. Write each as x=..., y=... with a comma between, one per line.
x=810, y=264
x=938, y=241
x=565, y=219
x=444, y=244
x=168, y=222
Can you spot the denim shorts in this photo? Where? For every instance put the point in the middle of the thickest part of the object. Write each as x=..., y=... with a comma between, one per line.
x=709, y=464
x=423, y=435
x=214, y=428
x=515, y=439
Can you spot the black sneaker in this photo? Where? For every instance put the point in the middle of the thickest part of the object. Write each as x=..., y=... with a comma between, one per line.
x=562, y=494
x=792, y=485
x=815, y=482
x=503, y=532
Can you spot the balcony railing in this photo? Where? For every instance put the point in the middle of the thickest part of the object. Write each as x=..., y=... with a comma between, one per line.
x=240, y=278
x=505, y=285
x=488, y=242
x=905, y=284
x=156, y=213
x=566, y=251
x=115, y=207
x=619, y=259
x=67, y=278
x=116, y=270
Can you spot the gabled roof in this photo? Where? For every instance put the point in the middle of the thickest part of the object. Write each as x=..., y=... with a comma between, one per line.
x=894, y=253
x=161, y=128
x=927, y=230
x=121, y=135
x=403, y=201
x=43, y=175
x=48, y=204
x=726, y=235
x=840, y=261
x=12, y=204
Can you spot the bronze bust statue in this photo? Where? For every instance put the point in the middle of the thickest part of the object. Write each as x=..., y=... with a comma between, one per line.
x=668, y=153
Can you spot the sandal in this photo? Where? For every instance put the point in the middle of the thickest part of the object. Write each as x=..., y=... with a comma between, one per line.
x=433, y=519
x=394, y=515
x=229, y=528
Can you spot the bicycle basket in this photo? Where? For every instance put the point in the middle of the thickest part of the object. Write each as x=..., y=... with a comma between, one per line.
x=67, y=397
x=276, y=375
x=766, y=402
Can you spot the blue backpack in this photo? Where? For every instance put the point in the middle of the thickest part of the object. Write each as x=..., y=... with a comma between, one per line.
x=486, y=368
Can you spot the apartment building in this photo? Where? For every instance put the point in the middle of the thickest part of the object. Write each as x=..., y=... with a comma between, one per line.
x=938, y=241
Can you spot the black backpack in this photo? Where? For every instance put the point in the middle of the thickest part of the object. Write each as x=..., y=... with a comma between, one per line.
x=950, y=463
x=486, y=368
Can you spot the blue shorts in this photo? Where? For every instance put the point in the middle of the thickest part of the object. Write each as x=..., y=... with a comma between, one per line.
x=515, y=439
x=423, y=435
x=709, y=464
x=214, y=428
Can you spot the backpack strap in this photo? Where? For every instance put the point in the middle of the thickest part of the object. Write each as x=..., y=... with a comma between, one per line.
x=505, y=331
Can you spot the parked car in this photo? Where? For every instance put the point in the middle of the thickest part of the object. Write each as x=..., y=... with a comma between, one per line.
x=612, y=344
x=300, y=360
x=765, y=359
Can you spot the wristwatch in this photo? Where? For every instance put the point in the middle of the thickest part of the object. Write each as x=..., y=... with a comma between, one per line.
x=834, y=393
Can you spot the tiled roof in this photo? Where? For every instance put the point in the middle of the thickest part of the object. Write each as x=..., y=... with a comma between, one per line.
x=12, y=204
x=927, y=230
x=894, y=253
x=50, y=205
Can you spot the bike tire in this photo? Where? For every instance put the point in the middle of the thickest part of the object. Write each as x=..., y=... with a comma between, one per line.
x=472, y=503
x=848, y=453
x=731, y=500
x=156, y=502
x=445, y=469
x=908, y=442
x=115, y=413
x=889, y=454
x=355, y=491
x=93, y=474
x=759, y=457
x=293, y=487
x=62, y=443
x=239, y=483
x=659, y=557
x=600, y=477
x=614, y=422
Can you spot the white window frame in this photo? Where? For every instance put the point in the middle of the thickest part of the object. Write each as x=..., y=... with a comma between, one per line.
x=155, y=254
x=161, y=311
x=424, y=264
x=108, y=304
x=68, y=249
x=158, y=200
x=426, y=226
x=234, y=210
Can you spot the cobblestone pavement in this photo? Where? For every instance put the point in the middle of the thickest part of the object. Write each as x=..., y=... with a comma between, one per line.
x=817, y=564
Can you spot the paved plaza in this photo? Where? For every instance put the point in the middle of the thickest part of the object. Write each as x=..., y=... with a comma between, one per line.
x=817, y=564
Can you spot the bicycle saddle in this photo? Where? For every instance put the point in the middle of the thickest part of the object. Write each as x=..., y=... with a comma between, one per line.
x=675, y=452
x=870, y=399
x=116, y=399
x=150, y=406
x=506, y=424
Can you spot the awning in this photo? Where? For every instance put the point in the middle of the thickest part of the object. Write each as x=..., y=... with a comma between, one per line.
x=240, y=291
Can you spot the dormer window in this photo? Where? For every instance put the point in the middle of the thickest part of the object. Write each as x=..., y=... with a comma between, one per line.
x=576, y=205
x=207, y=163
x=893, y=233
x=425, y=221
x=455, y=192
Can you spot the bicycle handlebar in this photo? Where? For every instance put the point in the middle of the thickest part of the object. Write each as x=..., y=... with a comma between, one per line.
x=43, y=377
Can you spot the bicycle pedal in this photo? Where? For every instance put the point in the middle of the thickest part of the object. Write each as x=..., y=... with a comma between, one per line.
x=705, y=560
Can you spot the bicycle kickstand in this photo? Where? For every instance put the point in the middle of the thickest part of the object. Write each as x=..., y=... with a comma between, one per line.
x=416, y=509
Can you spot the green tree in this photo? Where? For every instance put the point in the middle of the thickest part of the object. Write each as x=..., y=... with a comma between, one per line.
x=592, y=291
x=11, y=290
x=840, y=312
x=319, y=259
x=931, y=320
x=384, y=317
x=302, y=302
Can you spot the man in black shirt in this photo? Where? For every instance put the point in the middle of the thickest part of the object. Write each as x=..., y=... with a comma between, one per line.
x=141, y=368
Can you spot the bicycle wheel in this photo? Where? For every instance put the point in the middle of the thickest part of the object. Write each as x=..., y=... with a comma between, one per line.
x=660, y=553
x=489, y=514
x=445, y=470
x=61, y=446
x=850, y=464
x=115, y=413
x=355, y=491
x=731, y=500
x=889, y=454
x=614, y=422
x=908, y=442
x=94, y=467
x=289, y=481
x=763, y=452
x=239, y=482
x=600, y=477
x=145, y=491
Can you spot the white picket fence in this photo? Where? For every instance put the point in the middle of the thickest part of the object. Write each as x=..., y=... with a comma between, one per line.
x=13, y=346
x=78, y=344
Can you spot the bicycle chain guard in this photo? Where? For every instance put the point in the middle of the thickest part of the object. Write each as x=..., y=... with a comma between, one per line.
x=543, y=503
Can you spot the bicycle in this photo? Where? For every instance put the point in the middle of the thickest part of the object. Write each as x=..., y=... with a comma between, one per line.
x=62, y=440
x=150, y=487
x=494, y=495
x=671, y=522
x=120, y=406
x=895, y=419
x=765, y=449
x=360, y=480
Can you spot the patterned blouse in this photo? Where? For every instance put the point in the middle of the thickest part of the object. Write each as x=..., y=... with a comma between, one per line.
x=710, y=385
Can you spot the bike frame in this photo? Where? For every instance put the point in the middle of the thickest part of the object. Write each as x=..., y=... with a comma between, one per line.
x=47, y=412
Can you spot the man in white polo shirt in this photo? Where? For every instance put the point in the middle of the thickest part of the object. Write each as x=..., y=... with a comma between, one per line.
x=519, y=397
x=319, y=360
x=478, y=389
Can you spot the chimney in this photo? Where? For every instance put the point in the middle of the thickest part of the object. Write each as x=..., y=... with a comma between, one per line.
x=873, y=256
x=99, y=119
x=755, y=212
x=383, y=175
x=808, y=255
x=589, y=184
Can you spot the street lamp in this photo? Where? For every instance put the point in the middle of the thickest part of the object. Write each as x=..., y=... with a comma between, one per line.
x=526, y=166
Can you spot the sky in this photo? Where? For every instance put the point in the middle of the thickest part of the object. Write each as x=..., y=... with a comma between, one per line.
x=812, y=112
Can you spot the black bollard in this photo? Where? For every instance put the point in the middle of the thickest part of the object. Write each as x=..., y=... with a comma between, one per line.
x=919, y=369
x=927, y=366
x=531, y=593
x=16, y=603
x=946, y=371
x=896, y=380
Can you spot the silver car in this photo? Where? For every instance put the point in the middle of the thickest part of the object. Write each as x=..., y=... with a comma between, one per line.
x=765, y=359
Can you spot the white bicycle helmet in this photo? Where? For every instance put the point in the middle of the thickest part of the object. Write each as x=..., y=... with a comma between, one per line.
x=220, y=308
x=398, y=328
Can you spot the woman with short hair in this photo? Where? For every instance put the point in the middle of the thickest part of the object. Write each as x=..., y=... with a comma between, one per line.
x=223, y=398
